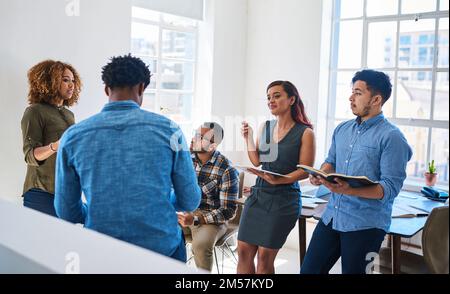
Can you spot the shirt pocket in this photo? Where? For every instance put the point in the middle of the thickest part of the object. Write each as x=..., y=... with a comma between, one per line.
x=209, y=188
x=371, y=157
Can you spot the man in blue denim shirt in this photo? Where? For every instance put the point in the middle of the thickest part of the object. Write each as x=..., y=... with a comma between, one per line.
x=356, y=219
x=127, y=162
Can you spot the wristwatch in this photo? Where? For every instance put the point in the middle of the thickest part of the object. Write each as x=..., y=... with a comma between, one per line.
x=196, y=220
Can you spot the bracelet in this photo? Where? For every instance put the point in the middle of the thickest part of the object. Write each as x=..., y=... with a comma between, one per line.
x=51, y=147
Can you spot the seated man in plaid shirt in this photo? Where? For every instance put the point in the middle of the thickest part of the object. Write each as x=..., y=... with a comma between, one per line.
x=219, y=183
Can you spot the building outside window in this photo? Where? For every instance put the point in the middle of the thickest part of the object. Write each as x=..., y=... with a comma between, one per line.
x=408, y=40
x=168, y=45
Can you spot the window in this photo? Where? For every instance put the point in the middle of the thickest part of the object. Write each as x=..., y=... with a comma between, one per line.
x=168, y=45
x=408, y=40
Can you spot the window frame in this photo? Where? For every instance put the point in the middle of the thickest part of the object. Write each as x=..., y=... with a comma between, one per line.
x=158, y=91
x=333, y=69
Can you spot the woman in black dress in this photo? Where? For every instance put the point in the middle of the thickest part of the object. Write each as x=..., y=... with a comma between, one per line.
x=274, y=205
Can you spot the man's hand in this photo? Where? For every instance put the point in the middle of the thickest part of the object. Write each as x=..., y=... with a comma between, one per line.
x=315, y=180
x=185, y=219
x=342, y=187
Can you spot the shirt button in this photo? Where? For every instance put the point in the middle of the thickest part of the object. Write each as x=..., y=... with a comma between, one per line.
x=351, y=146
x=359, y=132
x=346, y=161
x=336, y=207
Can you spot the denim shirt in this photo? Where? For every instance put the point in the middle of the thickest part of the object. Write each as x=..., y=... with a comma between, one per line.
x=376, y=149
x=127, y=162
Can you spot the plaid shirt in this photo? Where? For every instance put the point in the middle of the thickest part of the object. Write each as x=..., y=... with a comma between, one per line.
x=219, y=182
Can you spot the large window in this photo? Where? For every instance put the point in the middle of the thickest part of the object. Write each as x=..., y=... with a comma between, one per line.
x=168, y=45
x=407, y=39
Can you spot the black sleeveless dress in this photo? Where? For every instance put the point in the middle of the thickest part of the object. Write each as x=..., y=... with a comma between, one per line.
x=271, y=211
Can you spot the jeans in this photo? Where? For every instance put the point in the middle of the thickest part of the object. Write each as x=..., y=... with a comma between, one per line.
x=354, y=248
x=40, y=200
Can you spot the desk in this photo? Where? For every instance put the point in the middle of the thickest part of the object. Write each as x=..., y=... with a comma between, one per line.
x=400, y=227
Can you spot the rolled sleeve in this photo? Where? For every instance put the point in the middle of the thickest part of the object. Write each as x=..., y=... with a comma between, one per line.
x=331, y=158
x=68, y=203
x=32, y=129
x=394, y=158
x=186, y=195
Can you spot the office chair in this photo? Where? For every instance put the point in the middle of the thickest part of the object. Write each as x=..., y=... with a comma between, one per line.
x=232, y=229
x=434, y=246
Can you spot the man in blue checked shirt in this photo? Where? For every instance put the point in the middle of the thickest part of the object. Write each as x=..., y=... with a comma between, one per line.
x=219, y=183
x=356, y=220
x=127, y=161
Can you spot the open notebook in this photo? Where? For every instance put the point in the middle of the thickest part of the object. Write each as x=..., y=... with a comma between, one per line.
x=249, y=168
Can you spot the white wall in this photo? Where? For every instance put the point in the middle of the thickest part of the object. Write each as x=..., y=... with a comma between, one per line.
x=284, y=42
x=31, y=31
x=229, y=71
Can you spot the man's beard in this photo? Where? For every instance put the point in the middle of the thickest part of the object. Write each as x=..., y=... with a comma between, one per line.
x=366, y=111
x=198, y=151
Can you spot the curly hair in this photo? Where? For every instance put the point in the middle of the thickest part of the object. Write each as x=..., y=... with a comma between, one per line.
x=45, y=79
x=125, y=71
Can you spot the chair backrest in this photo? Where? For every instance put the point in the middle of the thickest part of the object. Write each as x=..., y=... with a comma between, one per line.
x=237, y=217
x=435, y=240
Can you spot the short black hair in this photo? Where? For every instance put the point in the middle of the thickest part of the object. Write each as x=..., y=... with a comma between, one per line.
x=218, y=132
x=125, y=71
x=378, y=83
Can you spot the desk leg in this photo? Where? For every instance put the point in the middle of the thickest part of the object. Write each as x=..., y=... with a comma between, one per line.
x=395, y=253
x=302, y=238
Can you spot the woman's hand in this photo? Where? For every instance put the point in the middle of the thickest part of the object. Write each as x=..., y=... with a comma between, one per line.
x=271, y=179
x=246, y=131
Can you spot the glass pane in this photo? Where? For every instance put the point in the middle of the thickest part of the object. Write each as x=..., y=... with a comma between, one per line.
x=179, y=21
x=144, y=39
x=416, y=45
x=388, y=107
x=177, y=75
x=350, y=8
x=381, y=7
x=148, y=103
x=142, y=13
x=382, y=45
x=439, y=152
x=418, y=140
x=350, y=44
x=443, y=4
x=343, y=92
x=178, y=44
x=443, y=43
x=414, y=94
x=177, y=107
x=418, y=6
x=441, y=97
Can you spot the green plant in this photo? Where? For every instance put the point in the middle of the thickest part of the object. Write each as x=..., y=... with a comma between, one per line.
x=431, y=167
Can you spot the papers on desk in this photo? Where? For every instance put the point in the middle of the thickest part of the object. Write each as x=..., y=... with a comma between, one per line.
x=401, y=210
x=308, y=202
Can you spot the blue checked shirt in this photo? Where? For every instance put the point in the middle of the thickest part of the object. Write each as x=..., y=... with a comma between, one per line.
x=376, y=149
x=219, y=183
x=127, y=161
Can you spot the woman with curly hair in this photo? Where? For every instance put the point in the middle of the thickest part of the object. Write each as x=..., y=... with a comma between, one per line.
x=54, y=86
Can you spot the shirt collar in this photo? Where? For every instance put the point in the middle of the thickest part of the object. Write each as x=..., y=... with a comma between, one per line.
x=371, y=121
x=120, y=105
x=212, y=160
